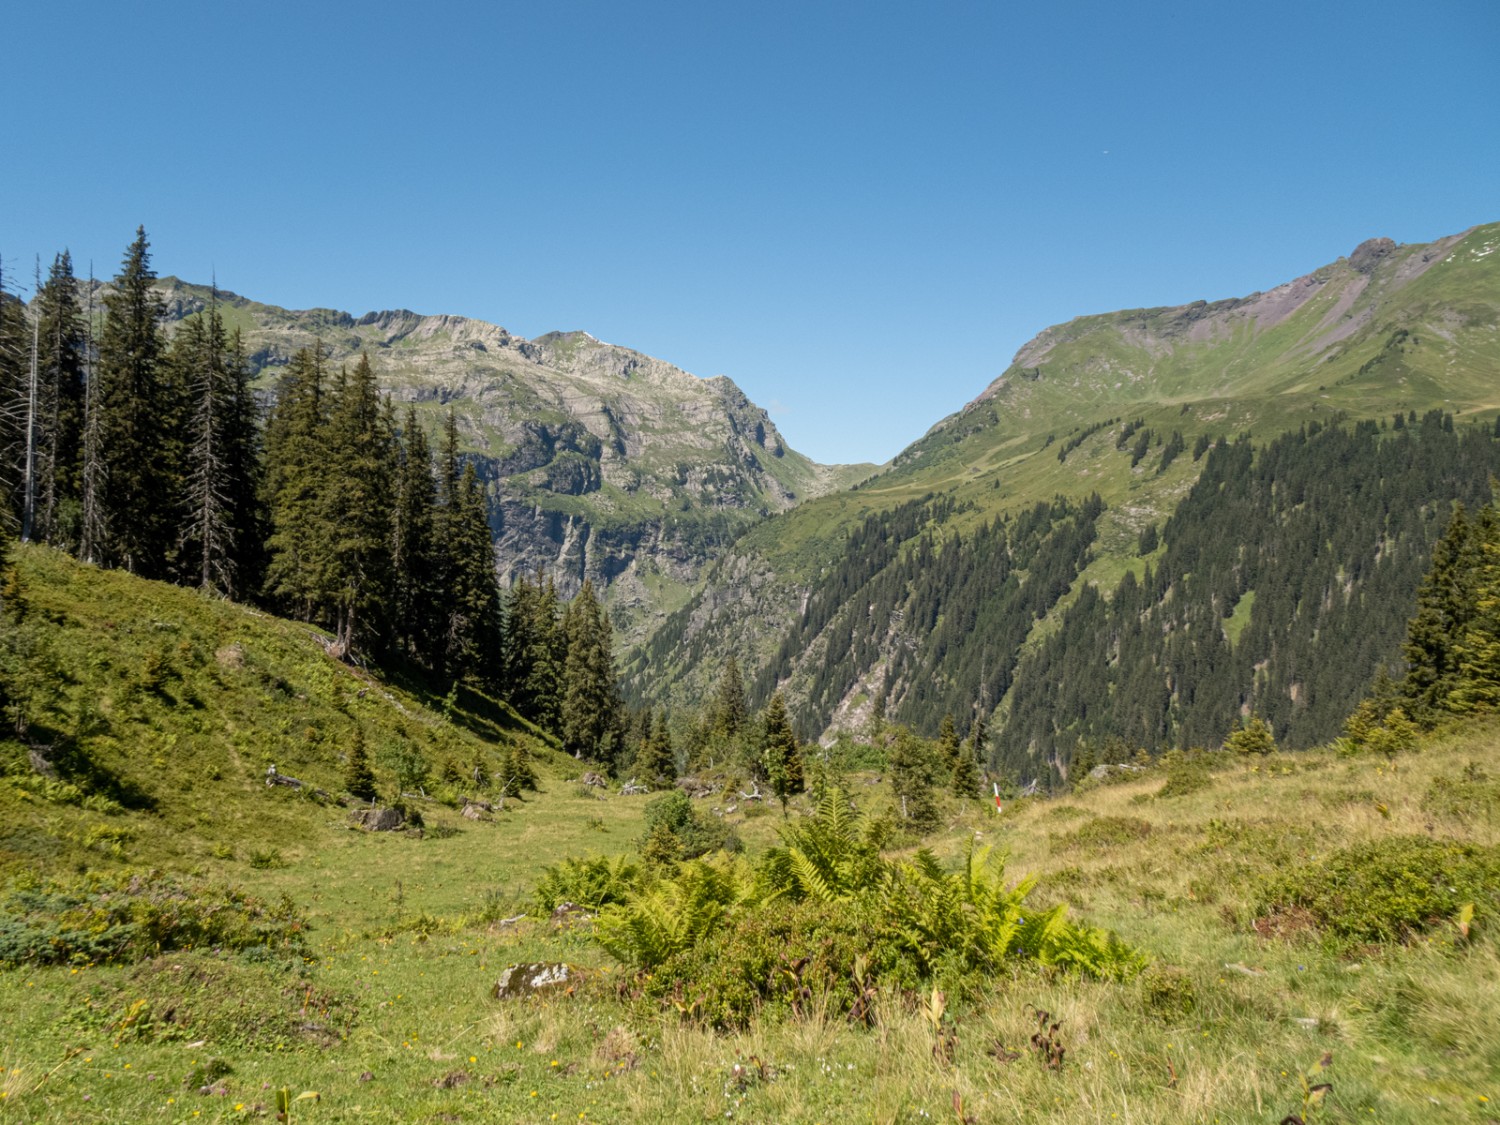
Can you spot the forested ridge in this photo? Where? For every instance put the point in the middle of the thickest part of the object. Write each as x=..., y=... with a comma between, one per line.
x=1281, y=588
x=135, y=450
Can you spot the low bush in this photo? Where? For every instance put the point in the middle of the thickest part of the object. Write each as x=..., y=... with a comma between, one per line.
x=1471, y=797
x=592, y=882
x=1105, y=832
x=124, y=918
x=696, y=833
x=198, y=996
x=721, y=941
x=1393, y=890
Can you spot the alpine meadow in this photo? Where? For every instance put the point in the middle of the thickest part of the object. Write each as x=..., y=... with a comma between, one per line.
x=406, y=720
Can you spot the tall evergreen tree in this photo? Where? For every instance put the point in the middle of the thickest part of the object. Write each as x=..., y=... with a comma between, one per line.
x=60, y=388
x=1445, y=607
x=912, y=772
x=967, y=781
x=592, y=712
x=217, y=547
x=727, y=715
x=139, y=416
x=296, y=460
x=656, y=764
x=780, y=754
x=413, y=552
x=473, y=597
x=355, y=510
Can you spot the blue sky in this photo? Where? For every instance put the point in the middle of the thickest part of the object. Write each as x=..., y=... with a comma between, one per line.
x=858, y=211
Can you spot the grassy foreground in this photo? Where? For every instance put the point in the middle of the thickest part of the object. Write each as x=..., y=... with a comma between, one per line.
x=387, y=1014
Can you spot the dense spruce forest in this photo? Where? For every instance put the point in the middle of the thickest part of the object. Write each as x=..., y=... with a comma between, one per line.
x=133, y=450
x=1280, y=587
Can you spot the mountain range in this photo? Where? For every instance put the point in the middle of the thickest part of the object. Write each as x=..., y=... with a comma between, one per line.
x=712, y=537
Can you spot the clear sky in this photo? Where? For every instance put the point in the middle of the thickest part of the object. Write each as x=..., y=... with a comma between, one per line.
x=857, y=211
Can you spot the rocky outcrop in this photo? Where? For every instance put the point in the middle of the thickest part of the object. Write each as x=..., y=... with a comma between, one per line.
x=601, y=463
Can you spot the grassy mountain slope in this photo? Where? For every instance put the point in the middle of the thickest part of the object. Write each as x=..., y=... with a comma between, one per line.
x=156, y=713
x=1407, y=328
x=387, y=1012
x=601, y=462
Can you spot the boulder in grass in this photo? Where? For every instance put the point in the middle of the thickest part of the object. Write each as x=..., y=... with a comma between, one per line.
x=378, y=820
x=537, y=978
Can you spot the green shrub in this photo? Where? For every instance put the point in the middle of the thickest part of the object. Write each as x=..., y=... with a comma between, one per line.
x=1396, y=889
x=772, y=962
x=696, y=833
x=1253, y=737
x=123, y=918
x=1167, y=992
x=1185, y=778
x=714, y=935
x=592, y=882
x=1106, y=832
x=1472, y=797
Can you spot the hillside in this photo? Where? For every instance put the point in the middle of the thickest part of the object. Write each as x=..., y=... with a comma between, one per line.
x=600, y=462
x=1123, y=406
x=1217, y=867
x=156, y=713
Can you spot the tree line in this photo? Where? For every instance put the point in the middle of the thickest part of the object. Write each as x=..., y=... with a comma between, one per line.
x=133, y=449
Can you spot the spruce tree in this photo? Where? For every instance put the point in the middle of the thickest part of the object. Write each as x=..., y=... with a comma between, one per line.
x=61, y=341
x=912, y=770
x=359, y=777
x=474, y=624
x=545, y=658
x=948, y=749
x=296, y=462
x=591, y=708
x=139, y=415
x=780, y=754
x=413, y=556
x=967, y=780
x=218, y=547
x=1445, y=607
x=656, y=764
x=727, y=715
x=355, y=511
x=1476, y=647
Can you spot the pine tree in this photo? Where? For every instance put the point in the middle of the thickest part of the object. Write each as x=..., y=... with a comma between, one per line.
x=912, y=770
x=61, y=340
x=1445, y=607
x=948, y=749
x=413, y=552
x=546, y=658
x=656, y=764
x=591, y=707
x=296, y=462
x=1476, y=647
x=966, y=780
x=359, y=777
x=139, y=415
x=217, y=548
x=474, y=622
x=780, y=754
x=1251, y=737
x=355, y=511
x=727, y=715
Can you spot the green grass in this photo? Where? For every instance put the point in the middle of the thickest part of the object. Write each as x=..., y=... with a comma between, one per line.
x=408, y=935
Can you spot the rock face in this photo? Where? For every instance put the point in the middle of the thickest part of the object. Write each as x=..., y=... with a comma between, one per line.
x=539, y=978
x=600, y=462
